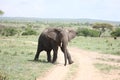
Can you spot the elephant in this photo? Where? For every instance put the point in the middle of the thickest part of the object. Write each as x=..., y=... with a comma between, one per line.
x=51, y=39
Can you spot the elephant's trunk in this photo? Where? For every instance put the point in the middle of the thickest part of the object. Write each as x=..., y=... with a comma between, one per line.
x=65, y=57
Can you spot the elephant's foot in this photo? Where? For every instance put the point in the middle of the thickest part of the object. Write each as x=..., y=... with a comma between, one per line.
x=53, y=61
x=71, y=62
x=35, y=59
x=64, y=64
x=49, y=61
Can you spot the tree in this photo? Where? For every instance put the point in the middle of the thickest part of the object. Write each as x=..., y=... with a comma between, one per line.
x=116, y=32
x=87, y=32
x=1, y=12
x=102, y=27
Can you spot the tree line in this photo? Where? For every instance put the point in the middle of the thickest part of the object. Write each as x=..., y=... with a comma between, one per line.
x=98, y=29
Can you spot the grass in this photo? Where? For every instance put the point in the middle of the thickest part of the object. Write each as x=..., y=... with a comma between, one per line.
x=106, y=68
x=105, y=45
x=17, y=53
x=16, y=59
x=72, y=71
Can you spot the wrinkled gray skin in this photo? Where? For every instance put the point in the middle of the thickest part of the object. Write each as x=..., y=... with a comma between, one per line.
x=51, y=39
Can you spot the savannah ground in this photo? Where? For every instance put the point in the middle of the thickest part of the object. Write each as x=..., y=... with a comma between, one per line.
x=94, y=59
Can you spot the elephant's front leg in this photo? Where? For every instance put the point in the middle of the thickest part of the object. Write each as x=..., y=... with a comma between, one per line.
x=69, y=58
x=48, y=56
x=55, y=51
x=67, y=54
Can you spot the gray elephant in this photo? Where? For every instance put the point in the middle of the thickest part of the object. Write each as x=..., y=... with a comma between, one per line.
x=51, y=39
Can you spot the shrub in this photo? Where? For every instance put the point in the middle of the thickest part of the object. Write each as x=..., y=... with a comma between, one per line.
x=87, y=32
x=8, y=31
x=29, y=31
x=94, y=33
x=116, y=33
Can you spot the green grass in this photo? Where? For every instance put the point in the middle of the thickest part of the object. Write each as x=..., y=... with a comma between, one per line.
x=16, y=59
x=17, y=53
x=105, y=45
x=72, y=71
x=106, y=68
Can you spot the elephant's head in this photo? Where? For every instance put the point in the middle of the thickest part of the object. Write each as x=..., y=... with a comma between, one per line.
x=71, y=34
x=58, y=33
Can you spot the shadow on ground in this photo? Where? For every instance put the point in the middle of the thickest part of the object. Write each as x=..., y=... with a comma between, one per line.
x=39, y=61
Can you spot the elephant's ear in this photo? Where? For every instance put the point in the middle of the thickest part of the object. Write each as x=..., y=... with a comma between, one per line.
x=54, y=34
x=71, y=34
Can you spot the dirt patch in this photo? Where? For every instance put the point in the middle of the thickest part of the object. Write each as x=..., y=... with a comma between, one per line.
x=85, y=70
x=58, y=72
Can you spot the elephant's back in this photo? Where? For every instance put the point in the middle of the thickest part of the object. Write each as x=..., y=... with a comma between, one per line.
x=44, y=42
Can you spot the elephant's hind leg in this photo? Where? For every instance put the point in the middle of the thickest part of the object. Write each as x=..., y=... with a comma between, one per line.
x=37, y=54
x=55, y=51
x=49, y=56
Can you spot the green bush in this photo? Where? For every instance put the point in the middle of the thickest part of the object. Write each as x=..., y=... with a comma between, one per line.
x=29, y=30
x=116, y=33
x=94, y=33
x=87, y=32
x=8, y=31
x=82, y=32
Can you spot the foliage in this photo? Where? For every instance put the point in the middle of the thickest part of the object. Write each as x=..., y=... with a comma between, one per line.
x=8, y=31
x=87, y=32
x=1, y=12
x=103, y=26
x=29, y=30
x=116, y=33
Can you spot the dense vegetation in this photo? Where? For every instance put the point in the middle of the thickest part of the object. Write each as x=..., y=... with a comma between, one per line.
x=87, y=32
x=116, y=33
x=29, y=31
x=9, y=31
x=11, y=28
